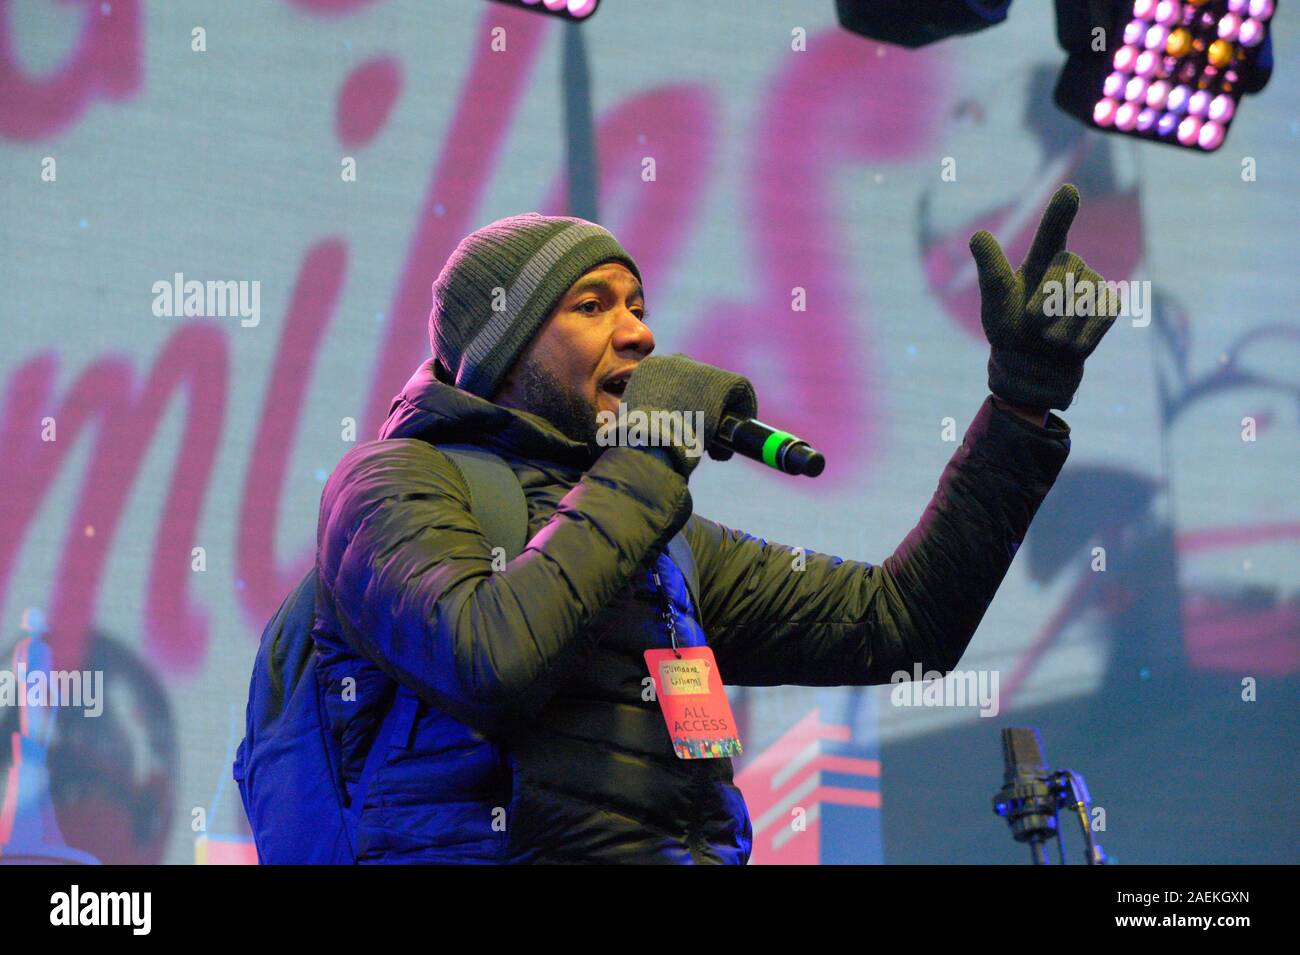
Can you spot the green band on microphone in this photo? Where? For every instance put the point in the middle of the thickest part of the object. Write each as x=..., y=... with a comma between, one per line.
x=775, y=441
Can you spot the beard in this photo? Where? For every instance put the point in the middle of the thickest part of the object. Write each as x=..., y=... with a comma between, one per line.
x=547, y=397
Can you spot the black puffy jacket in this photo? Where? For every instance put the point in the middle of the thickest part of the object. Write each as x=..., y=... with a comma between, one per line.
x=532, y=741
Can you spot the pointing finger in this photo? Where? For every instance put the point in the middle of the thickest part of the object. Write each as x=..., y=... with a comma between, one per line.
x=1051, y=234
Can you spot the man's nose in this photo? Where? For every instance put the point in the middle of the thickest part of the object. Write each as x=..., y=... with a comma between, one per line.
x=632, y=334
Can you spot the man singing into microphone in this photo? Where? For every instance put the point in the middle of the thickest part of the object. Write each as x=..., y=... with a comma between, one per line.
x=545, y=690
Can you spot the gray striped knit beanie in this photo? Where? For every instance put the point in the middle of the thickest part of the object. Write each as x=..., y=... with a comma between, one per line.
x=499, y=286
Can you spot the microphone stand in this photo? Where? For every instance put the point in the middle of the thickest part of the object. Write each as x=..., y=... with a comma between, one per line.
x=1031, y=799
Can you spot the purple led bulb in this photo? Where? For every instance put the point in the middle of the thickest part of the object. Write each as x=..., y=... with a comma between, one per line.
x=1188, y=130
x=1157, y=94
x=1146, y=119
x=1251, y=33
x=1221, y=108
x=1113, y=85
x=1198, y=104
x=1210, y=136
x=1166, y=124
x=1103, y=114
x=1178, y=96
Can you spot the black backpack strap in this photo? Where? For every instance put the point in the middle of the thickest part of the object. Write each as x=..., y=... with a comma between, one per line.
x=496, y=499
x=498, y=504
x=680, y=551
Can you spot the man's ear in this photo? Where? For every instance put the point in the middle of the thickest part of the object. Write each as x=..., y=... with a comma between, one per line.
x=504, y=395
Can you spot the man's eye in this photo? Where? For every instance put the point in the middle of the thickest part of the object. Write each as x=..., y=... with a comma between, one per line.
x=583, y=307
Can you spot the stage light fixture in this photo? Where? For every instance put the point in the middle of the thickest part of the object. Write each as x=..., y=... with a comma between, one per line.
x=1179, y=70
x=565, y=9
x=913, y=23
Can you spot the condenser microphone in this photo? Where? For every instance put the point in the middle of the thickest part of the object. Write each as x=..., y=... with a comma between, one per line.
x=1027, y=799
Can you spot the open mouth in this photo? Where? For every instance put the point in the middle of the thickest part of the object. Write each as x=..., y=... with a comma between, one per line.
x=616, y=384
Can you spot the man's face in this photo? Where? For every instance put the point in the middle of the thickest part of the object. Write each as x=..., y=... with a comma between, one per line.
x=579, y=361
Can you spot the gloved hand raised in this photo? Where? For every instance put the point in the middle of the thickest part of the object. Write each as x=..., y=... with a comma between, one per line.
x=700, y=393
x=1037, y=359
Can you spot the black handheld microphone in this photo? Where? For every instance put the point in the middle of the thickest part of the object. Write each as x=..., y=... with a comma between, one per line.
x=776, y=448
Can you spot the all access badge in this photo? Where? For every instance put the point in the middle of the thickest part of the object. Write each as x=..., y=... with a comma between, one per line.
x=689, y=689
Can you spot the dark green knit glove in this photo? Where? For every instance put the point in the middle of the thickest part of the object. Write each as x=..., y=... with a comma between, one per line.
x=675, y=383
x=1037, y=358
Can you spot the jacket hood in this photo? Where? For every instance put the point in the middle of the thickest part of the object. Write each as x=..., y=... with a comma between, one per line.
x=439, y=413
